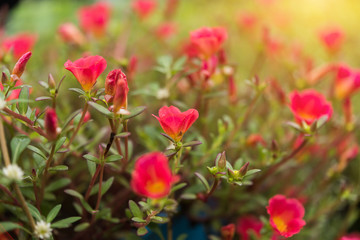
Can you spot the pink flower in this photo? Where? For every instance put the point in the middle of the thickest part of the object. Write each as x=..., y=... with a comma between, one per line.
x=112, y=79
x=166, y=30
x=20, y=44
x=143, y=8
x=152, y=176
x=286, y=215
x=309, y=105
x=86, y=70
x=14, y=93
x=94, y=18
x=71, y=34
x=248, y=224
x=176, y=123
x=51, y=123
x=208, y=41
x=351, y=236
x=347, y=81
x=332, y=38
x=247, y=20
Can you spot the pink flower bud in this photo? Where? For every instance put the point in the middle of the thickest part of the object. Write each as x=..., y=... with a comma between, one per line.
x=120, y=97
x=152, y=176
x=176, y=123
x=309, y=106
x=286, y=215
x=112, y=79
x=71, y=34
x=51, y=123
x=21, y=64
x=86, y=70
x=228, y=232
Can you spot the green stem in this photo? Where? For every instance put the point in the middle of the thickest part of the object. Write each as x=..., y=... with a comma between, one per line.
x=99, y=192
x=46, y=171
x=126, y=145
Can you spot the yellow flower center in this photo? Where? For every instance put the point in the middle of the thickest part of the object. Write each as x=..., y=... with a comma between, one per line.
x=156, y=187
x=280, y=224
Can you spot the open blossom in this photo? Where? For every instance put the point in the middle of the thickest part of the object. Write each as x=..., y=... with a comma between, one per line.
x=152, y=176
x=86, y=70
x=247, y=225
x=51, y=123
x=351, y=236
x=309, y=105
x=94, y=18
x=13, y=172
x=208, y=40
x=71, y=34
x=332, y=38
x=286, y=215
x=347, y=81
x=176, y=123
x=43, y=230
x=19, y=44
x=143, y=8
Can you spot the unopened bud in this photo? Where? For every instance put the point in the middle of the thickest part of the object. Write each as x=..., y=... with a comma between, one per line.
x=243, y=170
x=21, y=64
x=228, y=232
x=274, y=146
x=112, y=79
x=51, y=82
x=222, y=161
x=51, y=123
x=120, y=97
x=4, y=78
x=33, y=172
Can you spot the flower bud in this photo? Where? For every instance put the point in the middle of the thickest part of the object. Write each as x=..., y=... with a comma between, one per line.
x=243, y=170
x=120, y=97
x=228, y=232
x=4, y=78
x=222, y=161
x=112, y=79
x=21, y=64
x=51, y=123
x=51, y=81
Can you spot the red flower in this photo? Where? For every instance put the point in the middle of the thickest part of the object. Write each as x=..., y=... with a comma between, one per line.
x=166, y=30
x=71, y=34
x=228, y=232
x=14, y=93
x=94, y=18
x=143, y=8
x=87, y=70
x=247, y=20
x=309, y=106
x=351, y=236
x=208, y=40
x=51, y=123
x=176, y=123
x=152, y=176
x=286, y=215
x=332, y=38
x=248, y=224
x=21, y=64
x=347, y=82
x=20, y=44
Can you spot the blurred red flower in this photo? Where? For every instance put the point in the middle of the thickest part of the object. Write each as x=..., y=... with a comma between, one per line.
x=248, y=224
x=347, y=81
x=228, y=232
x=143, y=8
x=51, y=123
x=152, y=176
x=309, y=105
x=332, y=38
x=86, y=70
x=19, y=44
x=166, y=30
x=286, y=215
x=351, y=236
x=94, y=18
x=71, y=34
x=176, y=123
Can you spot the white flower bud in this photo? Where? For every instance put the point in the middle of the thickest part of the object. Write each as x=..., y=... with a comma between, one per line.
x=43, y=230
x=162, y=93
x=13, y=172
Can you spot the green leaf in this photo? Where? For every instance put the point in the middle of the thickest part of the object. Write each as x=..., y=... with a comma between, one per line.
x=34, y=211
x=18, y=145
x=101, y=109
x=91, y=158
x=78, y=90
x=141, y=231
x=178, y=186
x=58, y=184
x=157, y=219
x=82, y=226
x=74, y=193
x=65, y=223
x=135, y=210
x=59, y=168
x=43, y=98
x=137, y=219
x=59, y=143
x=71, y=117
x=105, y=187
x=134, y=112
x=252, y=171
x=123, y=134
x=188, y=196
x=24, y=100
x=53, y=213
x=183, y=236
x=37, y=151
x=8, y=226
x=92, y=167
x=203, y=181
x=192, y=143
x=113, y=158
